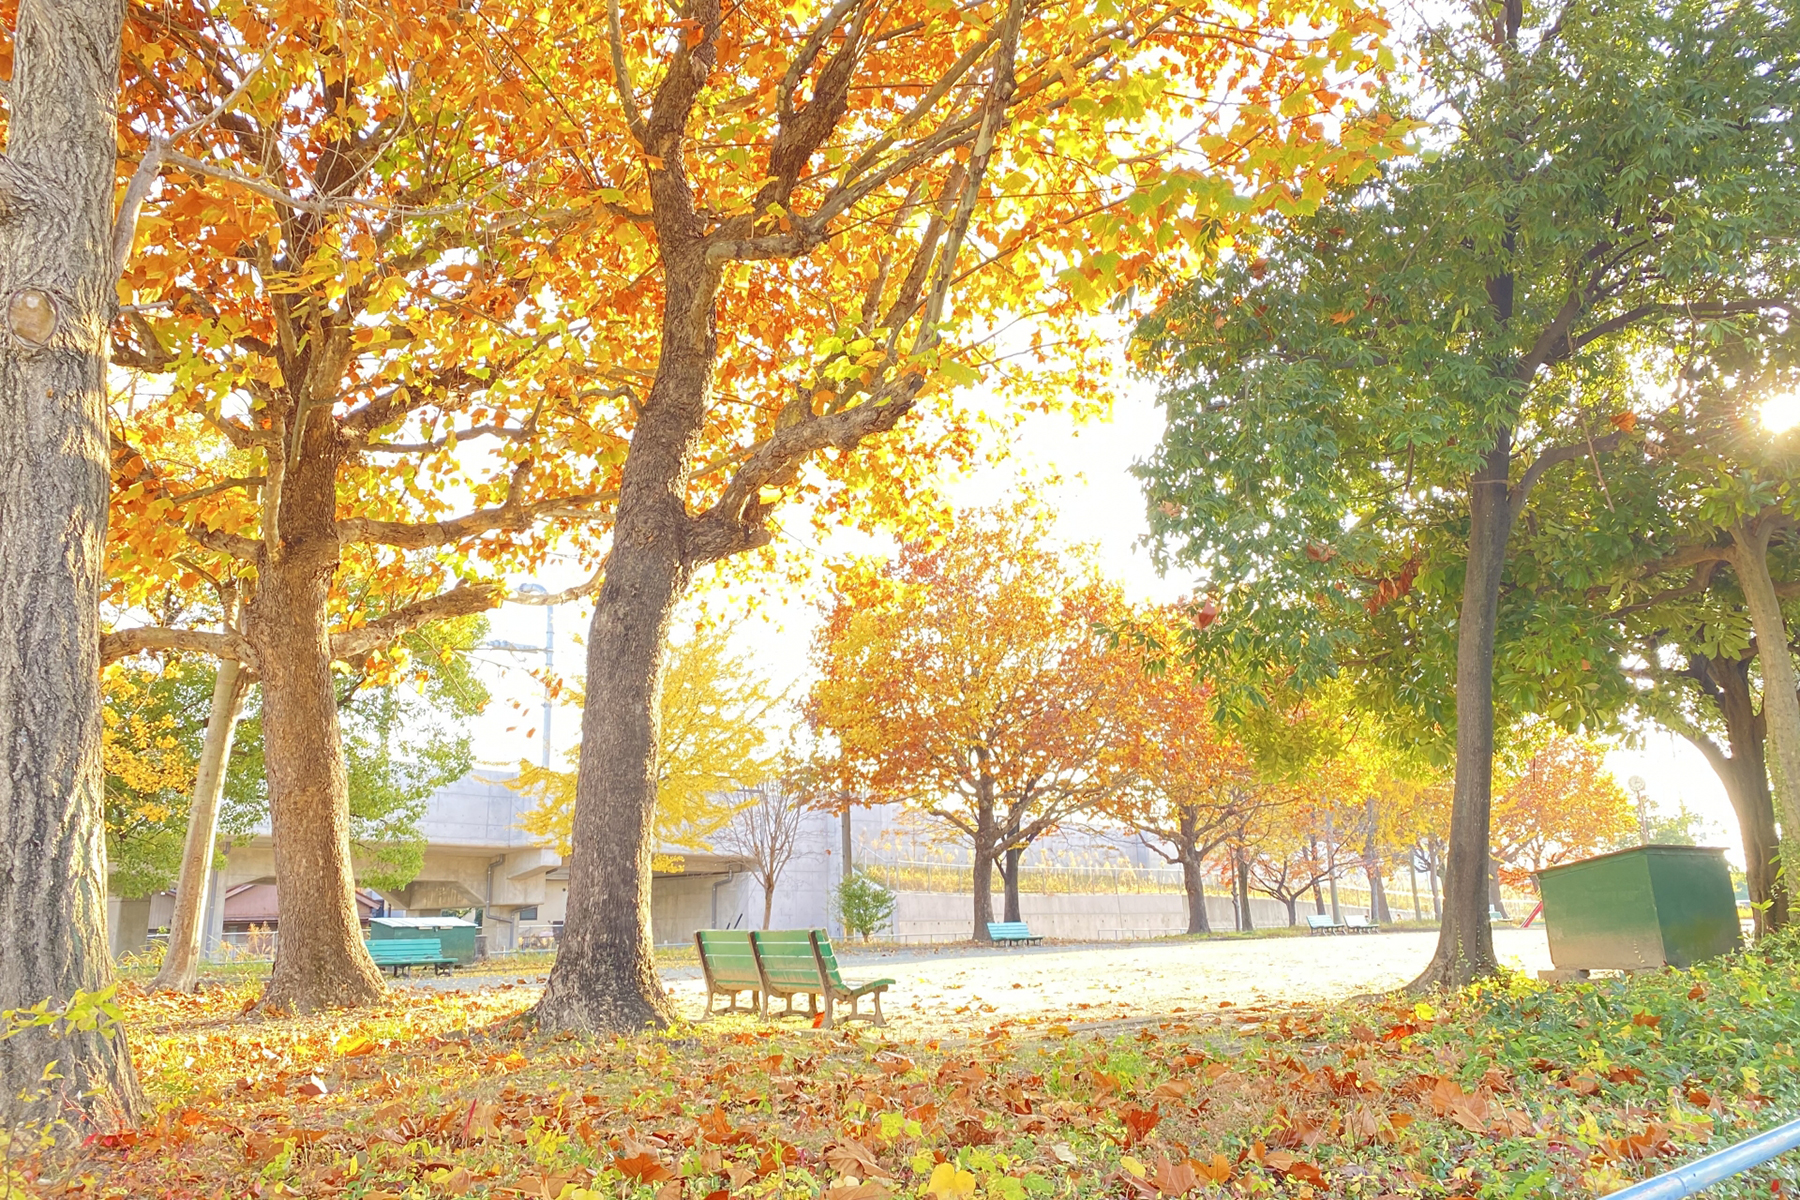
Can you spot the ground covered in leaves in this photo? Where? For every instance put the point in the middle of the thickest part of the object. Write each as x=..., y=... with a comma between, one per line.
x=1514, y=1089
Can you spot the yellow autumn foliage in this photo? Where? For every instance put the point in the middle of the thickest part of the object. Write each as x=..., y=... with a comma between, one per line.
x=711, y=745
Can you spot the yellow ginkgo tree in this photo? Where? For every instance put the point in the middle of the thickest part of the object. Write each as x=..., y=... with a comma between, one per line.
x=712, y=744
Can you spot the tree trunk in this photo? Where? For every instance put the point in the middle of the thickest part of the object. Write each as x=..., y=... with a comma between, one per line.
x=849, y=860
x=605, y=976
x=1465, y=949
x=181, y=961
x=1496, y=902
x=768, y=902
x=57, y=283
x=1246, y=922
x=1292, y=903
x=1781, y=690
x=1746, y=779
x=1431, y=879
x=1378, y=905
x=1412, y=874
x=1009, y=872
x=1193, y=881
x=320, y=960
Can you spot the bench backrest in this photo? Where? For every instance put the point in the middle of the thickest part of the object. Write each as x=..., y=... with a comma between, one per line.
x=1357, y=922
x=726, y=957
x=390, y=949
x=827, y=957
x=786, y=958
x=1007, y=929
x=1320, y=921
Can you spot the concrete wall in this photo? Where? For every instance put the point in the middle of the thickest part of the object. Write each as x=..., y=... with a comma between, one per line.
x=1105, y=916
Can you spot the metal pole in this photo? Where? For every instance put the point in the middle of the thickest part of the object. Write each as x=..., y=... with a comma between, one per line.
x=549, y=672
x=1702, y=1173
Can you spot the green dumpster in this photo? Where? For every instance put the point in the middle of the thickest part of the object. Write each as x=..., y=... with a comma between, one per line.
x=1639, y=909
x=456, y=936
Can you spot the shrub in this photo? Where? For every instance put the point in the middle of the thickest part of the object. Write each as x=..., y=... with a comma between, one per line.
x=863, y=904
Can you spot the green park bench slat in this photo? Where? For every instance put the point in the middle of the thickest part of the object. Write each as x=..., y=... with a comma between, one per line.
x=1323, y=923
x=792, y=963
x=397, y=954
x=1361, y=925
x=1006, y=932
x=729, y=963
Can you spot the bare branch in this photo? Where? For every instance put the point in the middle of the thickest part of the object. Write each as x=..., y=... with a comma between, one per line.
x=615, y=37
x=123, y=643
x=245, y=550
x=544, y=599
x=512, y=515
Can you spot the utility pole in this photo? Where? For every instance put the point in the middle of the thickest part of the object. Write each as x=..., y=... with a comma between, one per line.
x=1641, y=790
x=548, y=650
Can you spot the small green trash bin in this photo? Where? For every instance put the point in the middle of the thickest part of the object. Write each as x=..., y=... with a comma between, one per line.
x=1639, y=909
x=456, y=937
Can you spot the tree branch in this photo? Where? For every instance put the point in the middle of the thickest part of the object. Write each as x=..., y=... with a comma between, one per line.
x=123, y=643
x=459, y=601
x=1521, y=491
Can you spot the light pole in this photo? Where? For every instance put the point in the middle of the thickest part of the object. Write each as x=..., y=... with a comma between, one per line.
x=548, y=650
x=1641, y=790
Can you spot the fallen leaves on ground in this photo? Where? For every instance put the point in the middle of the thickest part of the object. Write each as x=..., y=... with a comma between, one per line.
x=1512, y=1088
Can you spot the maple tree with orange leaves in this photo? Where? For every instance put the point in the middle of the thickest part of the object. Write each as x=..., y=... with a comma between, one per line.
x=1560, y=803
x=973, y=681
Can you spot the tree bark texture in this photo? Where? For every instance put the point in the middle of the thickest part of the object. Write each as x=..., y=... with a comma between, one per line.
x=605, y=974
x=1009, y=872
x=1465, y=949
x=1193, y=881
x=1780, y=688
x=321, y=961
x=1746, y=778
x=57, y=297
x=181, y=961
x=1241, y=890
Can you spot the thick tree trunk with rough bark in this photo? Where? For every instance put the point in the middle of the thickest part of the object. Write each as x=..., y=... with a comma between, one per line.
x=605, y=975
x=321, y=961
x=56, y=300
x=181, y=961
x=1746, y=778
x=1465, y=949
x=1193, y=881
x=1241, y=891
x=1009, y=873
x=1781, y=700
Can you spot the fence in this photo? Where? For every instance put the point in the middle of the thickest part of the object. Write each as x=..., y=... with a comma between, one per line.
x=914, y=876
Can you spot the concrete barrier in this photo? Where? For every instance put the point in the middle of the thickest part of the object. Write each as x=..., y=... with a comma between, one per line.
x=1099, y=916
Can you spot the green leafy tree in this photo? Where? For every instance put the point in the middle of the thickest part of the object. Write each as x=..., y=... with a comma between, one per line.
x=405, y=737
x=863, y=904
x=1363, y=403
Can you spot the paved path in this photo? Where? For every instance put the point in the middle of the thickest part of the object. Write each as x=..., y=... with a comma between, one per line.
x=964, y=989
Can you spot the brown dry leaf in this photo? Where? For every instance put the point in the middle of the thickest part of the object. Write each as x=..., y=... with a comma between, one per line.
x=868, y=1189
x=643, y=1167
x=455, y=1182
x=671, y=1190
x=1467, y=1110
x=1279, y=1160
x=712, y=1161
x=1064, y=1154
x=1647, y=1020
x=540, y=1187
x=1173, y=1179
x=1172, y=1090
x=854, y=1158
x=740, y=1174
x=893, y=1064
x=312, y=1086
x=1584, y=1083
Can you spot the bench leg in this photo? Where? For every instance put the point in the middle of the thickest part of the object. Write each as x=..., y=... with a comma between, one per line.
x=879, y=1019
x=830, y=1015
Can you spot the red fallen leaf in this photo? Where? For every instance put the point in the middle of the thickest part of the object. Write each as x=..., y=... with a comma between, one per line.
x=1699, y=1098
x=1404, y=1029
x=1625, y=1075
x=1584, y=1083
x=1624, y=422
x=1647, y=1020
x=312, y=1086
x=1697, y=992
x=643, y=1167
x=1139, y=1122
x=893, y=1064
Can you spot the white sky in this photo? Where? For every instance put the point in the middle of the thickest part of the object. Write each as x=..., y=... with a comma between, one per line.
x=1097, y=501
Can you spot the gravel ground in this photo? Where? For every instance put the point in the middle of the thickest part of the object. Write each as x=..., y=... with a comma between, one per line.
x=962, y=989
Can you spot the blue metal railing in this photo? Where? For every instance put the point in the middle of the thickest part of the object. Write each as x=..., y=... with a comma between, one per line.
x=1715, y=1168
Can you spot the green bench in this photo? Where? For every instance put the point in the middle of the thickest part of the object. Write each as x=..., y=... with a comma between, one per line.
x=801, y=962
x=728, y=962
x=1011, y=933
x=1361, y=925
x=398, y=954
x=1324, y=923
